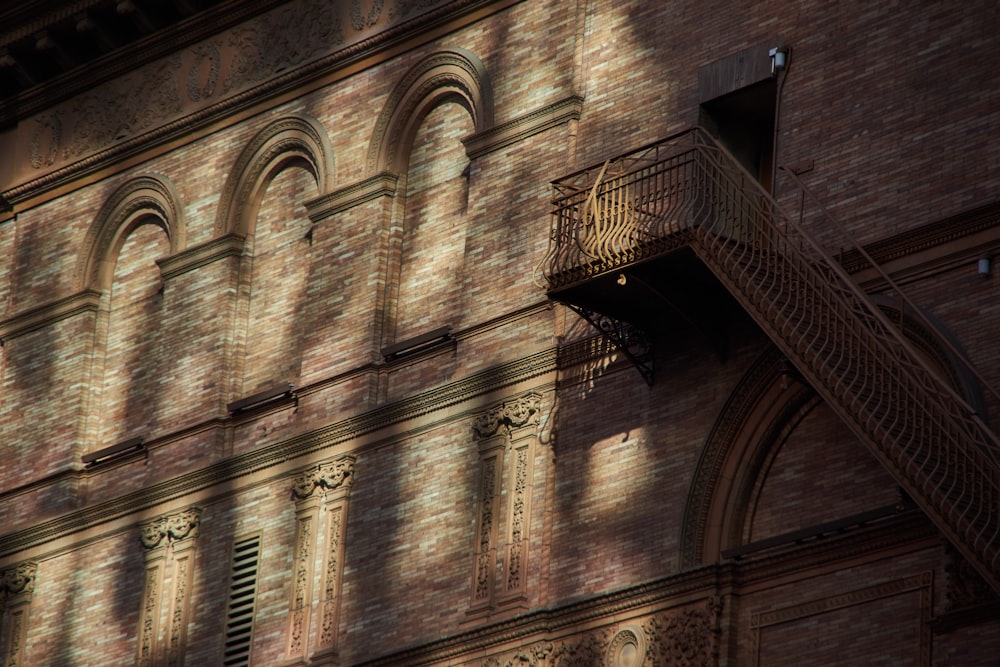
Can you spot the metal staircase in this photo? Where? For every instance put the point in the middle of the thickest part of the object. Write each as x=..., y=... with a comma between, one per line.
x=687, y=192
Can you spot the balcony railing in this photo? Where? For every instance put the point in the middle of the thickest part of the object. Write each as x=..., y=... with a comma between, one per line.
x=688, y=191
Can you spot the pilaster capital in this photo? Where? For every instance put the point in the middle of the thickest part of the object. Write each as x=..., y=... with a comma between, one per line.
x=509, y=415
x=170, y=528
x=327, y=476
x=20, y=579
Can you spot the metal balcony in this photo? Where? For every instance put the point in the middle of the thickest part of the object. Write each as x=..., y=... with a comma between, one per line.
x=680, y=220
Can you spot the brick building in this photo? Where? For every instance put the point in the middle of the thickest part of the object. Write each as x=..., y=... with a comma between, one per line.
x=495, y=332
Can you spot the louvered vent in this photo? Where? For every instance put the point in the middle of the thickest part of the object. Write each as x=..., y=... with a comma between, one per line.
x=242, y=593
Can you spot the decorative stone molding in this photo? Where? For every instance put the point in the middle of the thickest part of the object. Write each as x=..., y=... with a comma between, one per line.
x=140, y=199
x=86, y=301
x=342, y=199
x=300, y=137
x=447, y=72
x=522, y=127
x=169, y=541
x=687, y=638
x=512, y=414
x=328, y=476
x=506, y=436
x=17, y=585
x=314, y=514
x=627, y=648
x=19, y=580
x=590, y=649
x=447, y=395
x=203, y=254
x=302, y=567
x=920, y=584
x=484, y=555
x=172, y=528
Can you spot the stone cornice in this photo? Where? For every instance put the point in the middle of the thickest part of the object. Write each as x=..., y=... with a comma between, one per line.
x=522, y=127
x=908, y=528
x=669, y=591
x=230, y=245
x=188, y=127
x=342, y=431
x=139, y=52
x=341, y=199
x=925, y=237
x=85, y=301
x=930, y=248
x=673, y=590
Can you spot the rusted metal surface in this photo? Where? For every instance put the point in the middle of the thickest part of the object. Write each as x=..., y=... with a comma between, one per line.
x=687, y=190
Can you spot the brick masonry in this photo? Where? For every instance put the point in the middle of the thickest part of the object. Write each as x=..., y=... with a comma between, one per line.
x=895, y=107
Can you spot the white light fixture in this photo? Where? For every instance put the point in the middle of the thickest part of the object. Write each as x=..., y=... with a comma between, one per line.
x=984, y=266
x=779, y=59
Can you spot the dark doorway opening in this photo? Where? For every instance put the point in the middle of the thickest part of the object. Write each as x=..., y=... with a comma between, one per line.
x=743, y=121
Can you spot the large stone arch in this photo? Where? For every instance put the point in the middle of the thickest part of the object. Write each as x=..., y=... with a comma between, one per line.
x=300, y=139
x=455, y=74
x=142, y=200
x=764, y=407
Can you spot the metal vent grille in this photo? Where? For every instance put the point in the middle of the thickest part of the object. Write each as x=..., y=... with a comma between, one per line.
x=242, y=593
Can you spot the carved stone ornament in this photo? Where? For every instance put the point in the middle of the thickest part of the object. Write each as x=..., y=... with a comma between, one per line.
x=20, y=579
x=509, y=415
x=531, y=656
x=687, y=638
x=586, y=652
x=327, y=477
x=172, y=528
x=627, y=648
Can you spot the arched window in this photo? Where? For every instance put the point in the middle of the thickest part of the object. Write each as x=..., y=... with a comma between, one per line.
x=443, y=99
x=277, y=310
x=129, y=391
x=434, y=214
x=289, y=162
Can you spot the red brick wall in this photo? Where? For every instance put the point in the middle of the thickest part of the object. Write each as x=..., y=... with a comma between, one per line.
x=279, y=283
x=893, y=106
x=132, y=361
x=819, y=473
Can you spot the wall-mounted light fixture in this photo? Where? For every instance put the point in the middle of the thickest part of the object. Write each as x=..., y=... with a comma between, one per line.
x=985, y=266
x=779, y=59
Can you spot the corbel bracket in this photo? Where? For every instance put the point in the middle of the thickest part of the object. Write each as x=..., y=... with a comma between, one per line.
x=629, y=339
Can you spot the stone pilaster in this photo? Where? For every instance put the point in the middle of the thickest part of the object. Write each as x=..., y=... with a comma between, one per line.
x=506, y=436
x=169, y=541
x=321, y=496
x=18, y=586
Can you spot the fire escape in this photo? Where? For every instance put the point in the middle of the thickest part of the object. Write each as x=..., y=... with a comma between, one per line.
x=678, y=226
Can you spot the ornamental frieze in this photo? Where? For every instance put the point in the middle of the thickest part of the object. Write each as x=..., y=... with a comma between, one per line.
x=263, y=49
x=513, y=414
x=170, y=528
x=687, y=638
x=326, y=477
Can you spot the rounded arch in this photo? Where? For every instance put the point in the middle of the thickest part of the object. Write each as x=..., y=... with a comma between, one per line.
x=455, y=74
x=764, y=407
x=765, y=400
x=300, y=139
x=142, y=200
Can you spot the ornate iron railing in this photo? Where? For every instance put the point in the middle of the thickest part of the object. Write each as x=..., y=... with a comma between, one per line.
x=688, y=191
